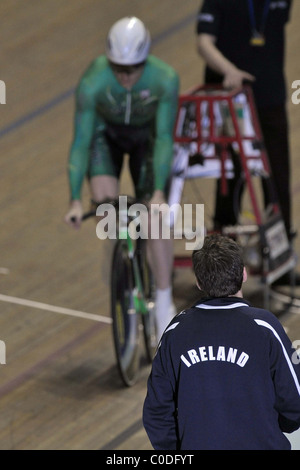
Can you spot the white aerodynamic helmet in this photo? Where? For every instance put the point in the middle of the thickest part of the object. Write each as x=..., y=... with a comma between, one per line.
x=128, y=42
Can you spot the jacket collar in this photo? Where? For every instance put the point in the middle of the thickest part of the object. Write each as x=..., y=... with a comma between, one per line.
x=222, y=302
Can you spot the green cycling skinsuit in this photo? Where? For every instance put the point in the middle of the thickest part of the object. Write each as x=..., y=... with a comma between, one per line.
x=111, y=121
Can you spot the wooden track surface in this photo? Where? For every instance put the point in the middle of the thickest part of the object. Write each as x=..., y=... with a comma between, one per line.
x=59, y=388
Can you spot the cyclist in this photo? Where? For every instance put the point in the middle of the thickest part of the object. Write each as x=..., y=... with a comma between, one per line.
x=126, y=103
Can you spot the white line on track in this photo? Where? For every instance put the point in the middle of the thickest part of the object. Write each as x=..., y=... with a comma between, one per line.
x=4, y=270
x=55, y=309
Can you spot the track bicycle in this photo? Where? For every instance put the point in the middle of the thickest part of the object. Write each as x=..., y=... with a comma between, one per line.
x=131, y=290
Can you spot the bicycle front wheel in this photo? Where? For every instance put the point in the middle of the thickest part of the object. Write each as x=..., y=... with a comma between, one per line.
x=148, y=317
x=125, y=319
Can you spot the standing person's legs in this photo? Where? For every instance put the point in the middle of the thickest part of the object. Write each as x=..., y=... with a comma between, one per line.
x=274, y=126
x=227, y=206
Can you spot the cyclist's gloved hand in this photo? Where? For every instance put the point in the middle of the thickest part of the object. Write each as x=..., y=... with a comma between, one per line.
x=74, y=215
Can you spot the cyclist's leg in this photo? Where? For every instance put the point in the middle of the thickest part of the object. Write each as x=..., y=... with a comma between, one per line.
x=105, y=168
x=104, y=186
x=160, y=250
x=274, y=125
x=161, y=256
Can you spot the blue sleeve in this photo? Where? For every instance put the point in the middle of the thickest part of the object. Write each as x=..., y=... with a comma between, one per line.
x=285, y=371
x=286, y=378
x=159, y=413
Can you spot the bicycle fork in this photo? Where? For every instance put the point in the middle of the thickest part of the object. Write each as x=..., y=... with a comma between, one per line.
x=139, y=300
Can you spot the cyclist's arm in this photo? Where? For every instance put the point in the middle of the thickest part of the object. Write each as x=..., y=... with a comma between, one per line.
x=163, y=146
x=84, y=127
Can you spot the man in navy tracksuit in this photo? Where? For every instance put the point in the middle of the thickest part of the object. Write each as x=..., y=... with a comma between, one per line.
x=225, y=375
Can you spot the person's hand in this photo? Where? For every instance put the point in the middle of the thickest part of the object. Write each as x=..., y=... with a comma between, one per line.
x=236, y=77
x=74, y=215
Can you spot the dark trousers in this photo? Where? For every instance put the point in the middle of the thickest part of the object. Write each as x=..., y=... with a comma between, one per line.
x=274, y=126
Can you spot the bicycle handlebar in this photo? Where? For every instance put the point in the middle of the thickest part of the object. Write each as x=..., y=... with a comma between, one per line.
x=87, y=215
x=115, y=202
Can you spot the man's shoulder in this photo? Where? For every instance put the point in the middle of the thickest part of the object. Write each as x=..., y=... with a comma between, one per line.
x=264, y=317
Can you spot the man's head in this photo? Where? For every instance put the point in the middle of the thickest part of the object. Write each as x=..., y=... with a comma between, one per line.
x=127, y=48
x=219, y=266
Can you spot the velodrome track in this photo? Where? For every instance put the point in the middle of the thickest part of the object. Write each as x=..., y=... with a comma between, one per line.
x=59, y=388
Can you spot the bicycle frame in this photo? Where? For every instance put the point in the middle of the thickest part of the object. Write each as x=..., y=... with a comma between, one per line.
x=138, y=292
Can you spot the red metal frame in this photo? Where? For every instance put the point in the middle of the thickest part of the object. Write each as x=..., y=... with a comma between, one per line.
x=204, y=93
x=210, y=95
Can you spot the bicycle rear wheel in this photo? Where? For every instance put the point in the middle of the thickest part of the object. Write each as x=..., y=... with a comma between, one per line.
x=148, y=318
x=125, y=319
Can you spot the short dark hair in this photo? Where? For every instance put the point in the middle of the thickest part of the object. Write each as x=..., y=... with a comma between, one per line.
x=219, y=266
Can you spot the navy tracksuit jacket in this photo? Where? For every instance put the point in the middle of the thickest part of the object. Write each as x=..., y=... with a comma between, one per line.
x=225, y=376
